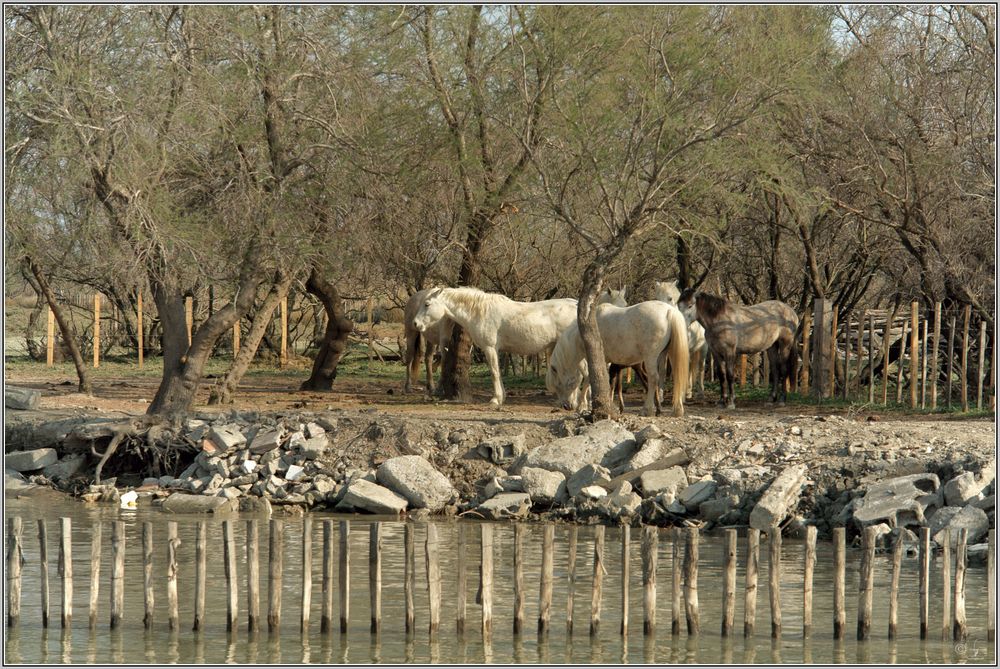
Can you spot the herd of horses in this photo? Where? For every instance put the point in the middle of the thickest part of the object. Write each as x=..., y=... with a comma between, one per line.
x=677, y=327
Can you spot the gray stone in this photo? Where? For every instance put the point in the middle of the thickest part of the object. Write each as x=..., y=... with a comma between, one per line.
x=265, y=441
x=542, y=485
x=29, y=461
x=229, y=493
x=324, y=485
x=621, y=502
x=226, y=437
x=506, y=505
x=167, y=481
x=20, y=398
x=714, y=509
x=314, y=430
x=900, y=501
x=418, y=481
x=592, y=492
x=371, y=497
x=658, y=481
x=728, y=476
x=780, y=498
x=604, y=442
x=651, y=431
x=502, y=450
x=182, y=503
x=973, y=520
x=696, y=493
x=587, y=475
x=962, y=489
x=314, y=447
x=499, y=484
x=986, y=503
x=65, y=468
x=652, y=450
x=14, y=482
x=977, y=554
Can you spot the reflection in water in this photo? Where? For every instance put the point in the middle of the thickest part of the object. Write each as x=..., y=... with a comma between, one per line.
x=173, y=649
x=807, y=651
x=199, y=647
x=435, y=648
x=117, y=648
x=749, y=650
x=864, y=654
x=649, y=649
x=67, y=645
x=518, y=649
x=727, y=650
x=375, y=649
x=345, y=648
x=596, y=655
x=92, y=646
x=838, y=652
x=45, y=645
x=408, y=649
x=305, y=649
x=147, y=635
x=892, y=651
x=775, y=651
x=253, y=646
x=691, y=650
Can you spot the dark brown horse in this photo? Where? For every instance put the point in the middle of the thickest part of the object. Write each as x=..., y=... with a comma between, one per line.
x=733, y=329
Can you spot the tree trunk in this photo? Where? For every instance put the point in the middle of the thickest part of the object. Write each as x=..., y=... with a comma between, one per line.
x=683, y=264
x=600, y=385
x=223, y=393
x=338, y=327
x=65, y=326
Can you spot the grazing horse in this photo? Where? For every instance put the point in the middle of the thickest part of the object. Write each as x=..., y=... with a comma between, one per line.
x=732, y=329
x=497, y=323
x=435, y=338
x=667, y=291
x=646, y=333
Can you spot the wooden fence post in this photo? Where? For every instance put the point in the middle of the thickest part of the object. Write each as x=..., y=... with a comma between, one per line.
x=839, y=589
x=991, y=580
x=961, y=632
x=236, y=338
x=253, y=576
x=625, y=570
x=752, y=567
x=774, y=576
x=97, y=329
x=326, y=618
x=15, y=560
x=871, y=358
x=866, y=583
x=965, y=359
x=946, y=587
x=306, y=573
x=95, y=572
x=807, y=581
x=50, y=338
x=914, y=354
x=283, y=354
x=43, y=558
x=924, y=576
x=897, y=563
x=545, y=586
x=923, y=366
x=375, y=575
x=519, y=593
x=595, y=597
x=433, y=578
x=147, y=575
x=691, y=582
x=650, y=538
x=675, y=582
x=934, y=355
x=173, y=543
x=117, y=572
x=345, y=574
x=729, y=583
x=189, y=315
x=409, y=577
x=486, y=578
x=200, y=574
x=229, y=563
x=571, y=578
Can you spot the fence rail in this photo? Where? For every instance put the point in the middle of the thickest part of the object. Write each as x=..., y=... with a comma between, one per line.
x=686, y=573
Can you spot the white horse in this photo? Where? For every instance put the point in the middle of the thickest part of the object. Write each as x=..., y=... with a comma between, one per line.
x=646, y=333
x=667, y=291
x=434, y=339
x=497, y=323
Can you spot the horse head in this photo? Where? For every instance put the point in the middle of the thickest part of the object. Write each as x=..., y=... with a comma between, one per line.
x=431, y=311
x=615, y=297
x=687, y=303
x=667, y=291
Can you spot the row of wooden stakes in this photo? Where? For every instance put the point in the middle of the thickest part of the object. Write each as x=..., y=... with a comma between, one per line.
x=684, y=578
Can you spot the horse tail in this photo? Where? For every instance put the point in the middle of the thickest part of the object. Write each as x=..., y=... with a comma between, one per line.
x=677, y=352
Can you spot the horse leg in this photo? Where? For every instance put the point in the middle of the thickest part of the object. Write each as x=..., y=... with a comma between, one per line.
x=494, y=362
x=701, y=372
x=723, y=388
x=429, y=367
x=730, y=380
x=776, y=371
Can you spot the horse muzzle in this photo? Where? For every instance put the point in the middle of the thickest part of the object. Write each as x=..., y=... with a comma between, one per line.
x=419, y=326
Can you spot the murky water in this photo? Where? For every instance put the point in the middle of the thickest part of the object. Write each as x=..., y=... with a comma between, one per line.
x=30, y=643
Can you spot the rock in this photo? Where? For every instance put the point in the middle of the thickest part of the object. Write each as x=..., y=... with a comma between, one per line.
x=605, y=442
x=14, y=482
x=659, y=481
x=505, y=505
x=371, y=497
x=226, y=437
x=729, y=476
x=962, y=489
x=977, y=554
x=20, y=398
x=314, y=447
x=986, y=503
x=653, y=450
x=29, y=461
x=592, y=492
x=499, y=484
x=585, y=476
x=294, y=472
x=696, y=493
x=502, y=450
x=951, y=519
x=265, y=441
x=651, y=431
x=621, y=502
x=182, y=503
x=900, y=501
x=714, y=509
x=780, y=498
x=324, y=486
x=65, y=468
x=543, y=486
x=314, y=430
x=418, y=481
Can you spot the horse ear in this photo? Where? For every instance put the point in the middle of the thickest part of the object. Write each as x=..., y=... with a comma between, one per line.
x=623, y=292
x=434, y=293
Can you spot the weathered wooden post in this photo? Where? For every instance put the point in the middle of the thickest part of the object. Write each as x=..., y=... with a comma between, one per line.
x=345, y=574
x=97, y=329
x=326, y=618
x=519, y=594
x=43, y=558
x=866, y=583
x=823, y=315
x=236, y=338
x=433, y=578
x=625, y=569
x=965, y=359
x=460, y=610
x=897, y=563
x=486, y=577
x=15, y=560
x=409, y=577
x=595, y=597
x=807, y=582
x=991, y=580
x=147, y=573
x=743, y=370
x=946, y=586
x=839, y=590
x=95, y=572
x=306, y=573
x=50, y=338
x=283, y=352
x=200, y=574
x=885, y=352
x=571, y=577
x=752, y=566
x=691, y=582
x=173, y=543
x=229, y=562
x=934, y=354
x=375, y=575
x=806, y=335
x=914, y=354
x=253, y=576
x=729, y=583
x=774, y=578
x=117, y=573
x=545, y=587
x=923, y=366
x=961, y=631
x=925, y=567
x=189, y=315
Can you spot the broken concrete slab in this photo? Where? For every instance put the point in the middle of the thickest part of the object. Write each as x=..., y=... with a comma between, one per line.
x=372, y=497
x=658, y=481
x=714, y=509
x=592, y=492
x=952, y=519
x=314, y=447
x=962, y=489
x=653, y=450
x=502, y=450
x=605, y=442
x=621, y=502
x=226, y=437
x=183, y=503
x=499, y=484
x=65, y=468
x=423, y=486
x=587, y=475
x=23, y=399
x=543, y=486
x=900, y=501
x=265, y=441
x=29, y=461
x=696, y=493
x=780, y=498
x=505, y=505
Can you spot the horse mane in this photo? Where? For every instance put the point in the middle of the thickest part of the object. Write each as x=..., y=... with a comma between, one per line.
x=710, y=305
x=475, y=300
